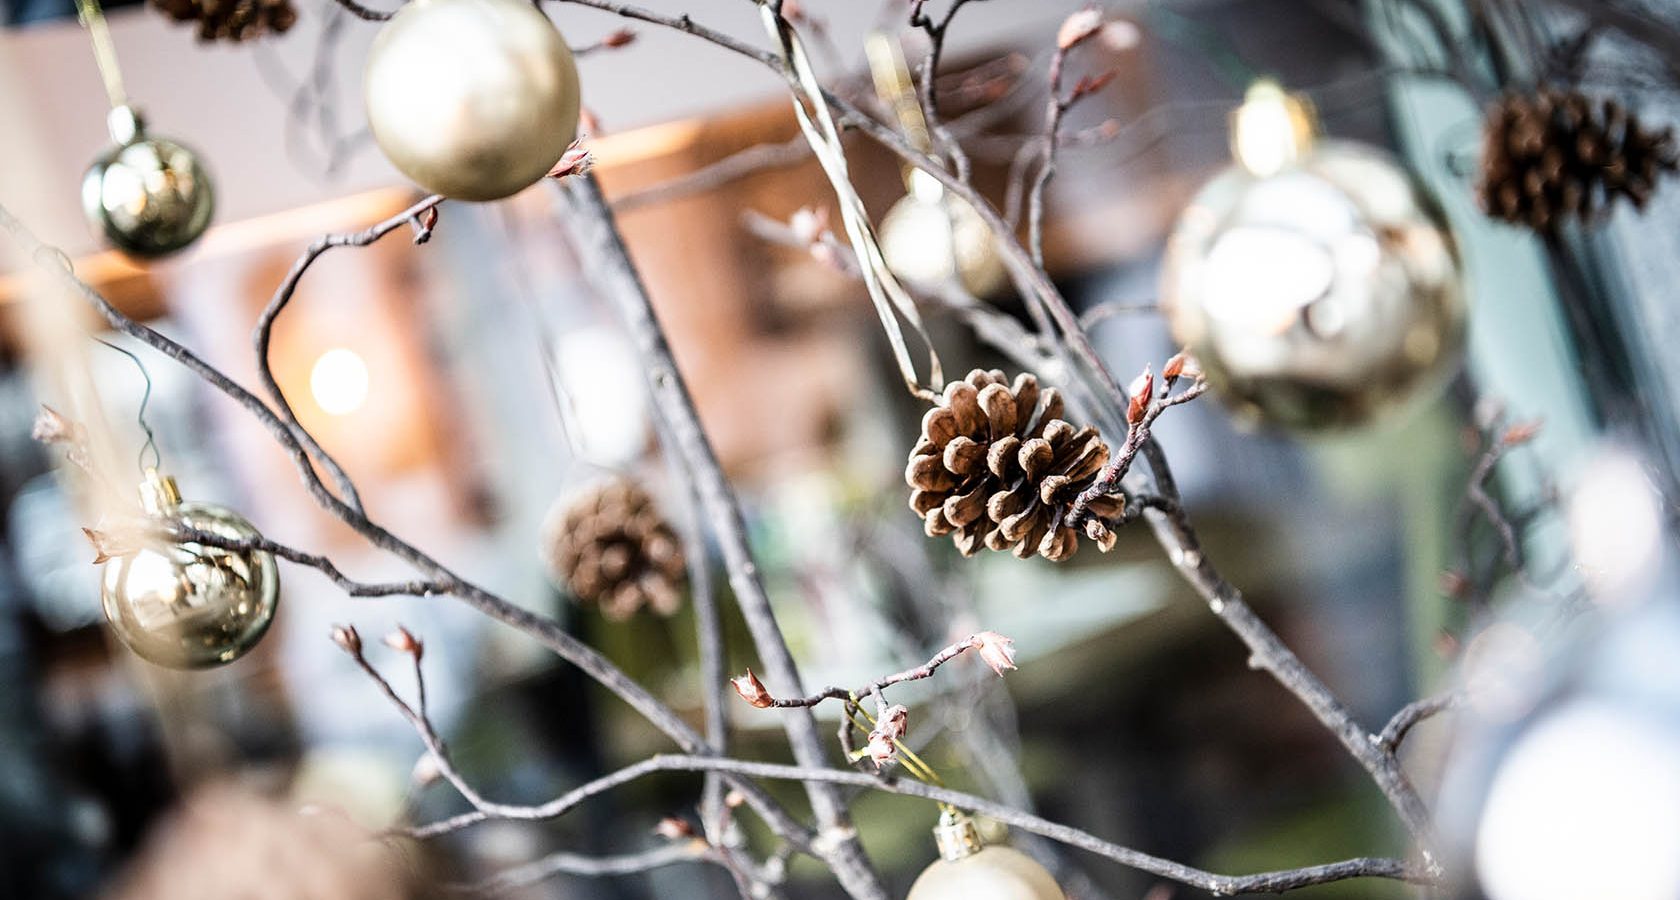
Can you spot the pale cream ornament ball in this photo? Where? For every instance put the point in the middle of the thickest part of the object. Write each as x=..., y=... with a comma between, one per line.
x=1316, y=284
x=968, y=869
x=472, y=99
x=931, y=236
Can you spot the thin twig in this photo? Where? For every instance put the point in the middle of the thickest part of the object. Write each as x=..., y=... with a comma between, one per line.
x=1177, y=535
x=425, y=210
x=1413, y=713
x=873, y=688
x=545, y=631
x=1259, y=883
x=363, y=12
x=592, y=224
x=567, y=863
x=1137, y=434
x=754, y=159
x=927, y=74
x=176, y=531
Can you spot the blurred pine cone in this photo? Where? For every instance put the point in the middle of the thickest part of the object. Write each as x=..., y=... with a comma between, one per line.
x=611, y=548
x=996, y=466
x=231, y=20
x=1556, y=154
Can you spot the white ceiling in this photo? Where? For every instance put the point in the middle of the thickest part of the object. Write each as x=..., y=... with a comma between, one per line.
x=214, y=97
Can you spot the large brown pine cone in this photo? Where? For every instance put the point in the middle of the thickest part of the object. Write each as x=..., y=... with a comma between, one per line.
x=1554, y=155
x=231, y=20
x=611, y=548
x=996, y=466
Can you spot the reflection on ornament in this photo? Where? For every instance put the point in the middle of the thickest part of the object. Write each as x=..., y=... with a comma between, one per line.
x=149, y=196
x=930, y=237
x=472, y=99
x=186, y=605
x=1315, y=283
x=967, y=869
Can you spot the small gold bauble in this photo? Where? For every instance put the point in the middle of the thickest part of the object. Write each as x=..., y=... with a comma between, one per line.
x=185, y=605
x=930, y=236
x=148, y=196
x=1319, y=295
x=969, y=870
x=472, y=99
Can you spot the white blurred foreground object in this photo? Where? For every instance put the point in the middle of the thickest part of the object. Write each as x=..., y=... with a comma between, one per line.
x=1566, y=783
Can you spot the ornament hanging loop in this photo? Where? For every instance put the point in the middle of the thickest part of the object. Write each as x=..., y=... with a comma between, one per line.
x=891, y=75
x=817, y=123
x=92, y=18
x=159, y=495
x=956, y=835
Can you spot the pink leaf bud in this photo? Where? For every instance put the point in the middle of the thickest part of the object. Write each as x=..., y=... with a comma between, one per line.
x=752, y=690
x=996, y=650
x=1078, y=27
x=346, y=637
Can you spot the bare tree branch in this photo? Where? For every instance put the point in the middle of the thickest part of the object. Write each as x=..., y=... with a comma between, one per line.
x=985, y=643
x=565, y=863
x=1267, y=652
x=593, y=226
x=1258, y=883
x=545, y=631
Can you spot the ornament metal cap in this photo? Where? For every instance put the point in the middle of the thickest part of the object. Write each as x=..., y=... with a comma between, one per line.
x=957, y=836
x=158, y=493
x=125, y=124
x=1272, y=128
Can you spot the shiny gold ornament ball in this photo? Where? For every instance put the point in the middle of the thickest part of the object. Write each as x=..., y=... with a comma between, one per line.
x=148, y=196
x=969, y=870
x=472, y=99
x=186, y=605
x=1320, y=295
x=930, y=237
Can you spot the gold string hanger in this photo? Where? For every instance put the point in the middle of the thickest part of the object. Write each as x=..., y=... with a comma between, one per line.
x=123, y=122
x=895, y=87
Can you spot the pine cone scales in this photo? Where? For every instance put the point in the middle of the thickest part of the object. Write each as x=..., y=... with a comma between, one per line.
x=233, y=20
x=997, y=467
x=1556, y=155
x=611, y=548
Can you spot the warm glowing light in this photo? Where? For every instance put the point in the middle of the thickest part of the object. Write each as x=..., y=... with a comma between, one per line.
x=339, y=381
x=1271, y=129
x=1587, y=804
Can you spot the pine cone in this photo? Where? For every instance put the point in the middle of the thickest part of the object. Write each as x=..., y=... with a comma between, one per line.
x=232, y=20
x=1557, y=154
x=611, y=548
x=996, y=466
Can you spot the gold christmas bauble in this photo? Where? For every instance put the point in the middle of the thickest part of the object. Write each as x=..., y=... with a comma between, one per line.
x=472, y=99
x=969, y=870
x=930, y=236
x=187, y=605
x=1319, y=296
x=148, y=196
